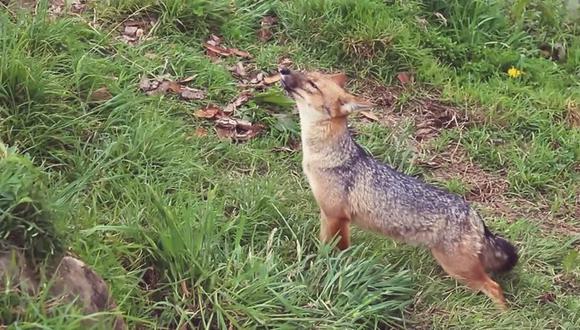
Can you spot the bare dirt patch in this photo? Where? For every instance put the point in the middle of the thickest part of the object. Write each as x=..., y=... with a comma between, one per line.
x=453, y=163
x=434, y=115
x=430, y=114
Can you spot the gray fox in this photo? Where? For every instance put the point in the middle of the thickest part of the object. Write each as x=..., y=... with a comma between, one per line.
x=350, y=186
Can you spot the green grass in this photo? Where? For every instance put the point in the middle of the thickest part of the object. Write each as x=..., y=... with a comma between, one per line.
x=198, y=232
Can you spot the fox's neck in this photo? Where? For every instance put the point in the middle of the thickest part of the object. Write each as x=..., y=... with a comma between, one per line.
x=327, y=139
x=322, y=131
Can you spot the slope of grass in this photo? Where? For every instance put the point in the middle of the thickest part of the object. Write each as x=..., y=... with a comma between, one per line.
x=197, y=232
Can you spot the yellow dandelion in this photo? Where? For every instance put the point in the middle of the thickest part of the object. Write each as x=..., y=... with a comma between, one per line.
x=514, y=73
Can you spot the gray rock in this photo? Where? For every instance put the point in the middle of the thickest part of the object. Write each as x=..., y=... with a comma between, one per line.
x=72, y=281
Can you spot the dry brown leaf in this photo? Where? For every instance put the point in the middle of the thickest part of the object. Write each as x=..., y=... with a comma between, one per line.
x=209, y=112
x=129, y=40
x=370, y=115
x=78, y=6
x=239, y=70
x=405, y=77
x=215, y=51
x=425, y=132
x=240, y=53
x=146, y=84
x=130, y=31
x=163, y=84
x=237, y=129
x=265, y=31
x=239, y=101
x=214, y=40
x=100, y=95
x=227, y=122
x=173, y=86
x=134, y=30
x=257, y=79
x=268, y=20
x=200, y=132
x=186, y=80
x=184, y=289
x=224, y=133
x=547, y=297
x=189, y=93
x=269, y=80
x=56, y=7
x=264, y=34
x=293, y=146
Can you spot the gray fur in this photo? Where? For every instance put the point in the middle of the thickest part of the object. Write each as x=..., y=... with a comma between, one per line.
x=401, y=206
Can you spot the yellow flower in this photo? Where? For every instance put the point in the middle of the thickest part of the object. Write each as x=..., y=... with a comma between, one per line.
x=514, y=73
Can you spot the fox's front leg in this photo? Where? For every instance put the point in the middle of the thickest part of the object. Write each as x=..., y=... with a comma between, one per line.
x=330, y=227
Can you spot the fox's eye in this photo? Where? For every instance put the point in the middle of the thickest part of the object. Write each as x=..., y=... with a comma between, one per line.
x=313, y=85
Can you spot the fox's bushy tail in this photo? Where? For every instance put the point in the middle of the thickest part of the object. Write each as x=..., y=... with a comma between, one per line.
x=498, y=254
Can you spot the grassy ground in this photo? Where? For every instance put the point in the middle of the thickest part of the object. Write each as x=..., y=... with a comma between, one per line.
x=194, y=231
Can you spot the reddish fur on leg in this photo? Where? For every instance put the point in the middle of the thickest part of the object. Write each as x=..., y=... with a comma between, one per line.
x=468, y=269
x=331, y=227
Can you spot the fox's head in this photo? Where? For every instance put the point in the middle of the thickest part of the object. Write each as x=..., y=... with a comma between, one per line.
x=319, y=96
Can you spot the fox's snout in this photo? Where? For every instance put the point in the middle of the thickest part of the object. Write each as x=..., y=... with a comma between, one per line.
x=290, y=80
x=320, y=96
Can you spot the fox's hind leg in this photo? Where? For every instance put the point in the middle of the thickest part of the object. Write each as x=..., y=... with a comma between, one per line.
x=468, y=269
x=330, y=227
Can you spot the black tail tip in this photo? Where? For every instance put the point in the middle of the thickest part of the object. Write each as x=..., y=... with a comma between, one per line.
x=511, y=253
x=506, y=248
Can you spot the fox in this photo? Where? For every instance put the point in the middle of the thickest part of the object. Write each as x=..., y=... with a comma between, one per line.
x=352, y=187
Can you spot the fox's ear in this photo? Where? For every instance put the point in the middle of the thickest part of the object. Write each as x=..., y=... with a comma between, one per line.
x=339, y=78
x=355, y=104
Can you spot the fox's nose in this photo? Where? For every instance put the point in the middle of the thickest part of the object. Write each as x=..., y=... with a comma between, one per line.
x=284, y=71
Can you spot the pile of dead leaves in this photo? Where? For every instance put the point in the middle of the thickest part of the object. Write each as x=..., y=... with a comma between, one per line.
x=225, y=119
x=215, y=49
x=135, y=30
x=163, y=85
x=226, y=125
x=250, y=79
x=245, y=71
x=257, y=80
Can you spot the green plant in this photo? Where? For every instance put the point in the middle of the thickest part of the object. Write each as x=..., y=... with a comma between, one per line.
x=26, y=221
